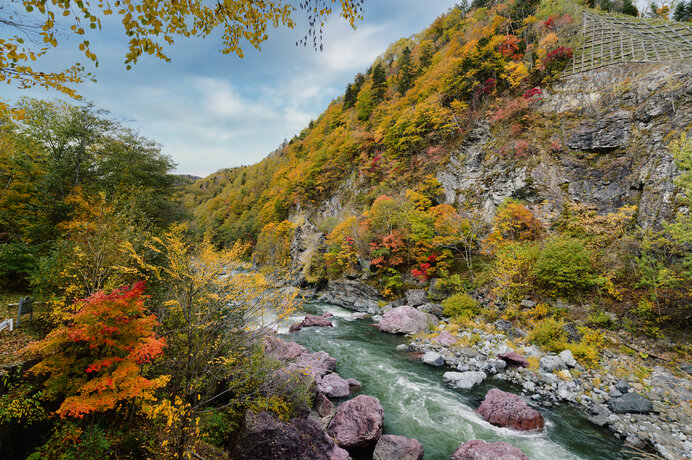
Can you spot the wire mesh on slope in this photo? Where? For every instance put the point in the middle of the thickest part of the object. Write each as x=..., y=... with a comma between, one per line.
x=609, y=40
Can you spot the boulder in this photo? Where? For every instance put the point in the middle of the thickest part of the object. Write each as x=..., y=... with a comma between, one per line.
x=630, y=402
x=622, y=386
x=464, y=380
x=323, y=406
x=509, y=410
x=445, y=338
x=503, y=326
x=406, y=320
x=433, y=358
x=267, y=438
x=354, y=384
x=567, y=357
x=481, y=450
x=282, y=350
x=352, y=294
x=415, y=297
x=552, y=363
x=333, y=385
x=318, y=363
x=312, y=321
x=357, y=423
x=514, y=359
x=392, y=447
x=434, y=308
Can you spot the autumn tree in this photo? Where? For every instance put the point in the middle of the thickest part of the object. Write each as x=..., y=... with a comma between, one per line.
x=93, y=363
x=152, y=27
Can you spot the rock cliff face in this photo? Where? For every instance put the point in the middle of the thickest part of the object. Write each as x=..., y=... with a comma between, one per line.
x=613, y=131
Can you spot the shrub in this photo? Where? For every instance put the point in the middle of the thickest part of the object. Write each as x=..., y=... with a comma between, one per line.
x=601, y=319
x=564, y=266
x=588, y=351
x=460, y=306
x=549, y=334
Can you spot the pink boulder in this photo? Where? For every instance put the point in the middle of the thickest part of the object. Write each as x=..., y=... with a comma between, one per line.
x=282, y=350
x=391, y=447
x=514, y=359
x=481, y=450
x=406, y=320
x=445, y=338
x=310, y=321
x=333, y=385
x=357, y=423
x=509, y=410
x=314, y=364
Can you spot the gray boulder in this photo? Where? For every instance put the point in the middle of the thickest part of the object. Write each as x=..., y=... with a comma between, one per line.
x=433, y=358
x=433, y=308
x=392, y=447
x=464, y=380
x=630, y=402
x=357, y=423
x=552, y=363
x=406, y=320
x=415, y=297
x=567, y=357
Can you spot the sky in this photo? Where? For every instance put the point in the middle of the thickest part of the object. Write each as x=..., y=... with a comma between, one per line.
x=211, y=111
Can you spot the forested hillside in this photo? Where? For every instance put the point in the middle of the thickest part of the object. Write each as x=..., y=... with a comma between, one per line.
x=461, y=160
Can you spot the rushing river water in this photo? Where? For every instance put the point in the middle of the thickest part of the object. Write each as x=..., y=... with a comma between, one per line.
x=418, y=404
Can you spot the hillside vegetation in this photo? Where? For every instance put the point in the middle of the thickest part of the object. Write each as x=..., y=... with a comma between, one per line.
x=363, y=181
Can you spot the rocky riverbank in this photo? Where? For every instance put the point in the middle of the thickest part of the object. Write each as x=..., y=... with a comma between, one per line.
x=648, y=408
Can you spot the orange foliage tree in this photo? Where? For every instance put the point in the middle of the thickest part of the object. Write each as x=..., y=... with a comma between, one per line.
x=95, y=360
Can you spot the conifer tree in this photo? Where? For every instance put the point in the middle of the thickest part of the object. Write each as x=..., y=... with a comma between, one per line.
x=379, y=83
x=406, y=73
x=629, y=8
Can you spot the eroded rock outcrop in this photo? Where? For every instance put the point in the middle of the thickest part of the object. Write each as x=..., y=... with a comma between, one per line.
x=509, y=410
x=353, y=295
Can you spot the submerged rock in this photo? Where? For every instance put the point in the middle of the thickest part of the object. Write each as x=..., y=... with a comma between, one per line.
x=392, y=447
x=630, y=402
x=268, y=438
x=357, y=423
x=464, y=380
x=509, y=410
x=481, y=450
x=312, y=321
x=406, y=320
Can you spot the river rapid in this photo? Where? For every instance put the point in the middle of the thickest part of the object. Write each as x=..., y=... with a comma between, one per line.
x=418, y=404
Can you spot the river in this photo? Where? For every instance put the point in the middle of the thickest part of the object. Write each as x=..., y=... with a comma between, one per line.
x=418, y=404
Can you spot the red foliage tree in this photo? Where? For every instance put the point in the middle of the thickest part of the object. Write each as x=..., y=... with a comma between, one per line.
x=95, y=360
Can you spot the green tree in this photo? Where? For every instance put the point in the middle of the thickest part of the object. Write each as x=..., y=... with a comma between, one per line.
x=683, y=11
x=629, y=8
x=406, y=71
x=379, y=83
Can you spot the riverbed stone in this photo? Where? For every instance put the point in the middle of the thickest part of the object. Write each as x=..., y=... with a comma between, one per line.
x=323, y=406
x=314, y=364
x=433, y=358
x=509, y=410
x=282, y=350
x=567, y=357
x=630, y=403
x=552, y=363
x=464, y=380
x=406, y=320
x=481, y=450
x=392, y=447
x=415, y=297
x=357, y=423
x=351, y=294
x=514, y=359
x=432, y=308
x=333, y=385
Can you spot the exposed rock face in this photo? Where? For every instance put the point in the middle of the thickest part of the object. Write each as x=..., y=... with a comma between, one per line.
x=268, y=438
x=601, y=165
x=630, y=402
x=406, y=320
x=445, y=338
x=391, y=447
x=353, y=295
x=508, y=410
x=481, y=450
x=464, y=380
x=514, y=359
x=357, y=423
x=311, y=321
x=333, y=385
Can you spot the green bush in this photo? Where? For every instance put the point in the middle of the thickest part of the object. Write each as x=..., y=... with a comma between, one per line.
x=460, y=306
x=564, y=266
x=549, y=334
